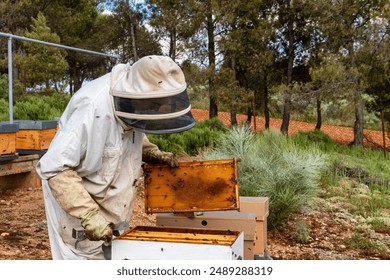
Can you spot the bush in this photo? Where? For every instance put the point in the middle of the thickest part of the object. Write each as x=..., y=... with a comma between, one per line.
x=273, y=166
x=315, y=137
x=202, y=136
x=3, y=110
x=40, y=107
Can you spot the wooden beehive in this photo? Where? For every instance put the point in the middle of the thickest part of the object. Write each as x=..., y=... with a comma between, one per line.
x=152, y=243
x=8, y=141
x=251, y=219
x=221, y=220
x=259, y=206
x=34, y=136
x=193, y=186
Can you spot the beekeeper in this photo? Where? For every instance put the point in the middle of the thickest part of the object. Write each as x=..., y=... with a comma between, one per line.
x=91, y=167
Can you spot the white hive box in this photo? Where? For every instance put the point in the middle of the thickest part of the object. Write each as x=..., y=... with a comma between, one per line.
x=161, y=243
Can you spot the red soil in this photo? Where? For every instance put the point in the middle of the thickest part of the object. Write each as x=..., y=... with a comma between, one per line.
x=339, y=134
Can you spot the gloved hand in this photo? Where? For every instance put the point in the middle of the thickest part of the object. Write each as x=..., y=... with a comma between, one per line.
x=157, y=156
x=96, y=226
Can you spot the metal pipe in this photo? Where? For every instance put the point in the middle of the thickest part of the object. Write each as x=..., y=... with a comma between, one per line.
x=55, y=45
x=10, y=82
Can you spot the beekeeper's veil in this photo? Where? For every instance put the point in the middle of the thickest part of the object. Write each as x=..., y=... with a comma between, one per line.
x=151, y=95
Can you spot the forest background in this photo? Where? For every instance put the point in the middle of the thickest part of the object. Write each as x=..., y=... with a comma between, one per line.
x=319, y=61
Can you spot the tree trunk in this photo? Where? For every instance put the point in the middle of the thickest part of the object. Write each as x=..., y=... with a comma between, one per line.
x=290, y=65
x=233, y=114
x=319, y=114
x=211, y=49
x=172, y=45
x=133, y=43
x=266, y=109
x=71, y=91
x=132, y=32
x=286, y=114
x=358, y=127
x=249, y=115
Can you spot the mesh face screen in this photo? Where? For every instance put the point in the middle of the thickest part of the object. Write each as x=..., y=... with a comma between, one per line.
x=152, y=106
x=153, y=115
x=164, y=126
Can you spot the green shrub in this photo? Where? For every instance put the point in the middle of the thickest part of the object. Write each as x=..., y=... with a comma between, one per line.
x=17, y=88
x=273, y=166
x=191, y=142
x=315, y=137
x=358, y=241
x=3, y=110
x=303, y=232
x=40, y=107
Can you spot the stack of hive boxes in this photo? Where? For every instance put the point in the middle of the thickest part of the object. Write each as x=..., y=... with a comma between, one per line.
x=251, y=219
x=200, y=198
x=22, y=142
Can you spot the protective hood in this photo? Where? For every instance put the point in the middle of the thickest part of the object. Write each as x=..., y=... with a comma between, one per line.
x=151, y=96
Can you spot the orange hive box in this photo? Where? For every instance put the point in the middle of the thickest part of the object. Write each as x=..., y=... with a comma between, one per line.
x=8, y=141
x=193, y=186
x=34, y=136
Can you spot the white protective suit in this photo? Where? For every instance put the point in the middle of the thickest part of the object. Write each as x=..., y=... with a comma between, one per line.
x=105, y=153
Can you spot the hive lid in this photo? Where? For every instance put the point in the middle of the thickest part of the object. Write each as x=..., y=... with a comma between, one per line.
x=6, y=127
x=39, y=124
x=192, y=187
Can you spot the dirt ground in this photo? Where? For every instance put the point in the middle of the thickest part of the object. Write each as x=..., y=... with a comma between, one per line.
x=23, y=229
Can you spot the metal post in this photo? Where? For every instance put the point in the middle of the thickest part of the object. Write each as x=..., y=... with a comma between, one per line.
x=10, y=93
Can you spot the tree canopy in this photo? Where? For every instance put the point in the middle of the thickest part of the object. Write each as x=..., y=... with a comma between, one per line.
x=264, y=57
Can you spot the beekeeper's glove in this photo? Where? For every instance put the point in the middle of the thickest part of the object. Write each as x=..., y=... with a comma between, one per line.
x=152, y=154
x=68, y=190
x=96, y=226
x=157, y=156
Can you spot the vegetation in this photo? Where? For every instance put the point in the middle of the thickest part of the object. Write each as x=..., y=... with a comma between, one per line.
x=275, y=167
x=42, y=65
x=272, y=58
x=303, y=232
x=357, y=186
x=191, y=142
x=36, y=107
x=306, y=172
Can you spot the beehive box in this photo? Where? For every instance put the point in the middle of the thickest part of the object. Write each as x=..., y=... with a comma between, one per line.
x=8, y=141
x=251, y=219
x=222, y=220
x=259, y=206
x=193, y=186
x=162, y=243
x=34, y=137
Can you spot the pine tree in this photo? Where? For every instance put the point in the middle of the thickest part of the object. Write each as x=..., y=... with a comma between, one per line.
x=41, y=64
